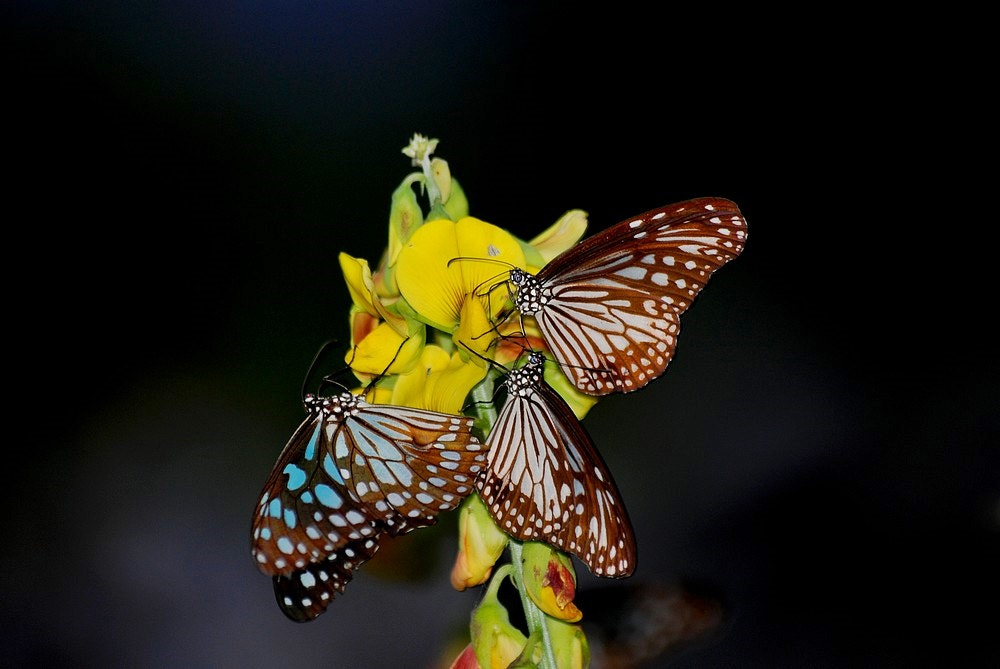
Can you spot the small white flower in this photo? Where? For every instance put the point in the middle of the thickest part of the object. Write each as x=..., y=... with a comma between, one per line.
x=420, y=149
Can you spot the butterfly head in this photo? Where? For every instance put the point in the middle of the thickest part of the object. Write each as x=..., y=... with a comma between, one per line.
x=530, y=297
x=337, y=406
x=524, y=380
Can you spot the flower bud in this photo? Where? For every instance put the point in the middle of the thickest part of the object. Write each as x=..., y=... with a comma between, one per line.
x=442, y=177
x=549, y=580
x=405, y=216
x=569, y=644
x=466, y=659
x=497, y=643
x=480, y=543
x=457, y=205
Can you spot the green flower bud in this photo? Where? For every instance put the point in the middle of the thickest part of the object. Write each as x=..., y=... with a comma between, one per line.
x=497, y=643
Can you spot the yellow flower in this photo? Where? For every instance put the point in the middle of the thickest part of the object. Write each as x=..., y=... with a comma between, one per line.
x=385, y=342
x=445, y=262
x=360, y=285
x=438, y=381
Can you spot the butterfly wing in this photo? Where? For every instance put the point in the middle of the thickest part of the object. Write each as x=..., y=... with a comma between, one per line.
x=309, y=534
x=408, y=465
x=350, y=474
x=613, y=303
x=547, y=482
x=305, y=593
x=305, y=512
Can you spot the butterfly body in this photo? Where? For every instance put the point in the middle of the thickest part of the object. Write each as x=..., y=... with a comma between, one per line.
x=609, y=308
x=352, y=473
x=545, y=480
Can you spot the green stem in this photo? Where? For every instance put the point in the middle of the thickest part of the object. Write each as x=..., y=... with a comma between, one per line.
x=433, y=193
x=482, y=402
x=482, y=397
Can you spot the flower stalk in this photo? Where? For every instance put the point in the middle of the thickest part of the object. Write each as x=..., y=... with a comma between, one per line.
x=429, y=332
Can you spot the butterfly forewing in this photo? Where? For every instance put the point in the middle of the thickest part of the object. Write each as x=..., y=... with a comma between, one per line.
x=410, y=465
x=609, y=308
x=547, y=482
x=305, y=513
x=352, y=473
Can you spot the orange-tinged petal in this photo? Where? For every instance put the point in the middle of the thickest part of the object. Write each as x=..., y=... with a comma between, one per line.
x=361, y=286
x=362, y=324
x=480, y=544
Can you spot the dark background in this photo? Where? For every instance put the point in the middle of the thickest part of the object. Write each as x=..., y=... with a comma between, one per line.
x=821, y=456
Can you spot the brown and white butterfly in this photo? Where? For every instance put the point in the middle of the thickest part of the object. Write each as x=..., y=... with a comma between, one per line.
x=609, y=308
x=546, y=481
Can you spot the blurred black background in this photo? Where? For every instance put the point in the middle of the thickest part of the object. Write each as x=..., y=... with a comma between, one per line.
x=821, y=456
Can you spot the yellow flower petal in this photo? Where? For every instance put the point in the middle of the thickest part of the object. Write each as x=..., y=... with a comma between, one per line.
x=358, y=277
x=437, y=290
x=439, y=382
x=475, y=331
x=561, y=235
x=384, y=351
x=361, y=286
x=410, y=388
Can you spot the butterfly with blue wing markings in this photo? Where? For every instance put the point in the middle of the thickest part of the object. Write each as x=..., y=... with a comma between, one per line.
x=352, y=474
x=546, y=481
x=609, y=307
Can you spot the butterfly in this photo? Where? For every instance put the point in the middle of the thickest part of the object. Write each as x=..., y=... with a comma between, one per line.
x=609, y=308
x=545, y=480
x=352, y=474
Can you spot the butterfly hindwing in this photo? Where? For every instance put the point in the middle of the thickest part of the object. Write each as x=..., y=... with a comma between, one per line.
x=609, y=308
x=305, y=512
x=547, y=482
x=305, y=593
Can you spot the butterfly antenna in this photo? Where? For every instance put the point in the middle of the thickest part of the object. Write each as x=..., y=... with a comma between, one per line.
x=492, y=363
x=324, y=347
x=476, y=259
x=371, y=384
